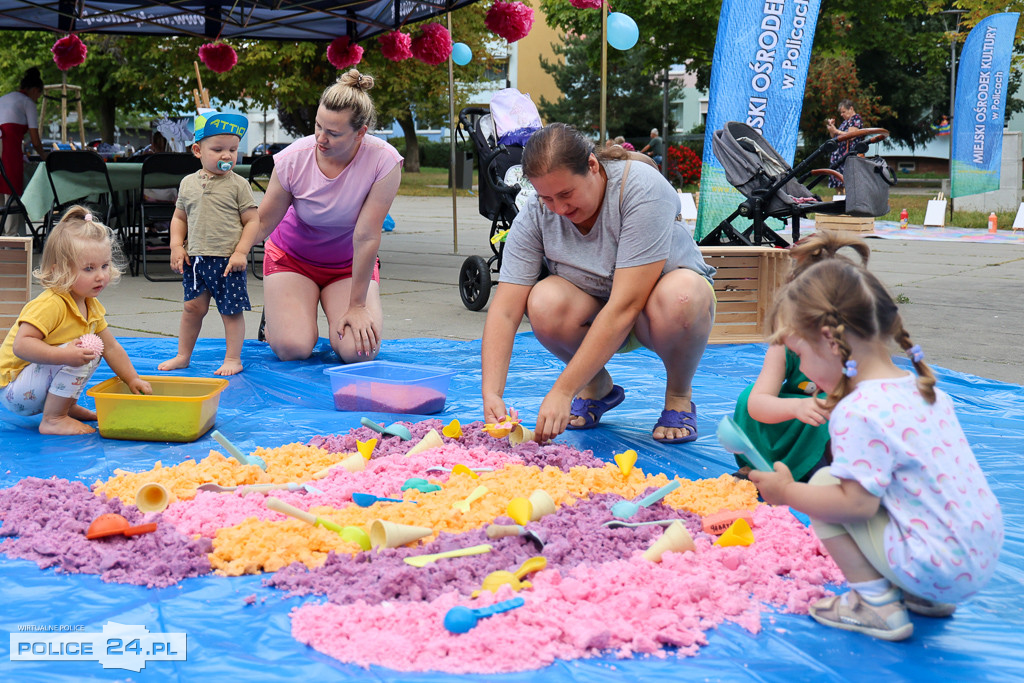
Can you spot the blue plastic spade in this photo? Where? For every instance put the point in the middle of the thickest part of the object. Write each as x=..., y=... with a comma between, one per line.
x=625, y=509
x=237, y=454
x=460, y=619
x=401, y=431
x=735, y=441
x=365, y=500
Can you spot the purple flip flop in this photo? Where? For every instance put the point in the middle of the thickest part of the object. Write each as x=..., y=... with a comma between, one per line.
x=678, y=419
x=591, y=409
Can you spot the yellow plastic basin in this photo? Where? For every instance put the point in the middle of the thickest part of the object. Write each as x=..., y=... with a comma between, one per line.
x=179, y=409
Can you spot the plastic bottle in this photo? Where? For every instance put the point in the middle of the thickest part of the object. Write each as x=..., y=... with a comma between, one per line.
x=904, y=219
x=992, y=223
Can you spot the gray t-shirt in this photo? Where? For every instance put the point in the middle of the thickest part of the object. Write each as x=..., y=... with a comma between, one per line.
x=645, y=229
x=657, y=146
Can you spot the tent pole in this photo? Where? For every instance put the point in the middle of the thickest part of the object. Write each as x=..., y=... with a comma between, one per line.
x=451, y=133
x=604, y=75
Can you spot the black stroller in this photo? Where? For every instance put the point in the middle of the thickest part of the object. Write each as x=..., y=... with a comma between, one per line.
x=497, y=203
x=774, y=190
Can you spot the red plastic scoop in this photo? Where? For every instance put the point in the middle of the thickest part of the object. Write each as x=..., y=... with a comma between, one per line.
x=113, y=524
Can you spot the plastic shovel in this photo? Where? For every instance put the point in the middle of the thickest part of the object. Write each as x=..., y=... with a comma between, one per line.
x=625, y=509
x=365, y=500
x=460, y=619
x=497, y=579
x=396, y=429
x=463, y=505
x=113, y=524
x=237, y=454
x=424, y=560
x=352, y=534
x=616, y=523
x=734, y=440
x=258, y=488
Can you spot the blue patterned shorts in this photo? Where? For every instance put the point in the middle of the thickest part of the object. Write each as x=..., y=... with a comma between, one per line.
x=207, y=273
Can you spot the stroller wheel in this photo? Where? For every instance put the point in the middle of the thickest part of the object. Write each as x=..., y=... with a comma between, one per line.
x=261, y=335
x=475, y=283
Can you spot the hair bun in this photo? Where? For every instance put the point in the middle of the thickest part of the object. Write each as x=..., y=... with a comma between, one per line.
x=353, y=79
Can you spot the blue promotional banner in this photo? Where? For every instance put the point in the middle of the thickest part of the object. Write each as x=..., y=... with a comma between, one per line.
x=979, y=112
x=758, y=74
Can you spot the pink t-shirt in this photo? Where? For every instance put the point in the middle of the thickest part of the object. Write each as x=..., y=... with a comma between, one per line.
x=318, y=226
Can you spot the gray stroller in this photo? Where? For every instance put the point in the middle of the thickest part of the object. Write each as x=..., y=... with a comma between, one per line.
x=774, y=190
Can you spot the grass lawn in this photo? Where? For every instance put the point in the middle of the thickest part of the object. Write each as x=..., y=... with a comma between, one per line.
x=430, y=182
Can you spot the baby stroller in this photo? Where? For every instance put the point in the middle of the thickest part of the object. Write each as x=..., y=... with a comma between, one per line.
x=502, y=187
x=774, y=190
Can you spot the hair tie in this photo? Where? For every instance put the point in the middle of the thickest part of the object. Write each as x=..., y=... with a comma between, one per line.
x=87, y=218
x=915, y=353
x=850, y=368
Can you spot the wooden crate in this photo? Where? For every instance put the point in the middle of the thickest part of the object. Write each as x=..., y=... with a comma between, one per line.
x=844, y=223
x=745, y=285
x=15, y=279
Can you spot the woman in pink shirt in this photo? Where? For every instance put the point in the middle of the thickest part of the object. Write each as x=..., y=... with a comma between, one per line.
x=323, y=211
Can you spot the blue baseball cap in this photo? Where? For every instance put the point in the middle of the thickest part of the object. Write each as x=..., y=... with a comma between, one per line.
x=218, y=123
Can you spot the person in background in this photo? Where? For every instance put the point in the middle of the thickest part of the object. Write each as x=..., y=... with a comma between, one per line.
x=158, y=145
x=655, y=148
x=325, y=204
x=19, y=115
x=851, y=123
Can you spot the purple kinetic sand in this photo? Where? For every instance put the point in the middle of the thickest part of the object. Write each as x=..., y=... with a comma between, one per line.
x=45, y=521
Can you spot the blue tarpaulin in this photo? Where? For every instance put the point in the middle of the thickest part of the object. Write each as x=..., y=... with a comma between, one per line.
x=274, y=403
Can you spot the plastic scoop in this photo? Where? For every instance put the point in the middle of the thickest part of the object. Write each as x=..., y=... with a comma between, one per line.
x=237, y=454
x=420, y=484
x=463, y=505
x=625, y=509
x=616, y=523
x=424, y=560
x=396, y=429
x=495, y=531
x=460, y=619
x=352, y=534
x=439, y=468
x=113, y=524
x=258, y=488
x=365, y=500
x=734, y=440
x=495, y=580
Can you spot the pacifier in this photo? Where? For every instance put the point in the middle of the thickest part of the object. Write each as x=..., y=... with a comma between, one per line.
x=224, y=166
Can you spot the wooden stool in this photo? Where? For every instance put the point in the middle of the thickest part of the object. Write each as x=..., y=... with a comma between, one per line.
x=746, y=283
x=15, y=279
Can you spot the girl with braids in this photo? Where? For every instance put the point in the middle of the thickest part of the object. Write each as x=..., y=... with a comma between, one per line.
x=904, y=509
x=782, y=413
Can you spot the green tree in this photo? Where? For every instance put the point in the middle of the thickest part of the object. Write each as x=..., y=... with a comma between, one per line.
x=634, y=98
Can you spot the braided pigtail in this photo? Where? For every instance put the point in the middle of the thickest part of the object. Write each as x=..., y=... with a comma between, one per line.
x=925, y=376
x=843, y=386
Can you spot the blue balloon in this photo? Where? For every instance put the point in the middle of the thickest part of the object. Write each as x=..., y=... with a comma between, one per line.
x=622, y=31
x=461, y=54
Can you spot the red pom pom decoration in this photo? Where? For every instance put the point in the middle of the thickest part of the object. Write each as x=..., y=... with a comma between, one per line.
x=343, y=53
x=218, y=57
x=586, y=4
x=69, y=52
x=395, y=46
x=433, y=45
x=510, y=20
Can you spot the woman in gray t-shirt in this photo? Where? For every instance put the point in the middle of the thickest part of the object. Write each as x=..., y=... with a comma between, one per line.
x=624, y=272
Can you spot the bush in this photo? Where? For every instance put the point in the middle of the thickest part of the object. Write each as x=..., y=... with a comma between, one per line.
x=683, y=165
x=438, y=154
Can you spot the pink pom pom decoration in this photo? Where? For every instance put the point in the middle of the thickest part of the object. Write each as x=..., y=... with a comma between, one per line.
x=510, y=20
x=343, y=53
x=69, y=52
x=586, y=4
x=433, y=45
x=218, y=57
x=90, y=342
x=395, y=46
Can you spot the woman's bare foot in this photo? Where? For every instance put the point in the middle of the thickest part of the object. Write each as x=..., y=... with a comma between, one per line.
x=600, y=387
x=662, y=433
x=176, y=363
x=231, y=366
x=80, y=413
x=64, y=425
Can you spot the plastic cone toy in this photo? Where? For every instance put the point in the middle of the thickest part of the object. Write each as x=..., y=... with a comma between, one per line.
x=151, y=497
x=676, y=539
x=354, y=463
x=521, y=510
x=391, y=535
x=519, y=434
x=625, y=461
x=543, y=504
x=431, y=440
x=720, y=522
x=737, y=534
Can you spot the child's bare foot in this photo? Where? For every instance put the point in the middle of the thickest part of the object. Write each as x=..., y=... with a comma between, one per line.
x=176, y=363
x=64, y=425
x=80, y=413
x=231, y=366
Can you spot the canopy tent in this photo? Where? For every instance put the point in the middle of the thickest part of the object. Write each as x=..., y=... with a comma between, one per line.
x=268, y=19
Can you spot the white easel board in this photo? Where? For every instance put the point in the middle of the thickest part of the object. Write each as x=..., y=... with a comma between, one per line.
x=935, y=214
x=1018, y=221
x=687, y=207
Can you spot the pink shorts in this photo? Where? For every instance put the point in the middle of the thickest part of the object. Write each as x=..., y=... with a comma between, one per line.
x=275, y=260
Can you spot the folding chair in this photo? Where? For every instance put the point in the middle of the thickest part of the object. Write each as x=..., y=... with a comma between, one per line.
x=80, y=177
x=14, y=207
x=159, y=172
x=259, y=175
